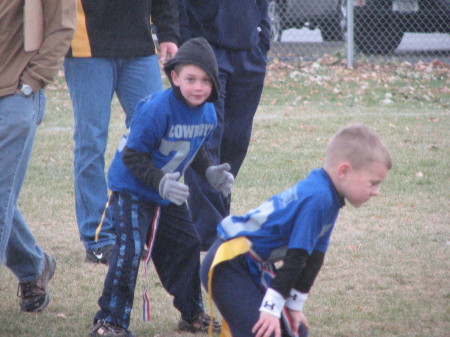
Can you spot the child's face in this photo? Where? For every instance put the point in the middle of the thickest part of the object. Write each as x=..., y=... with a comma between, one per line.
x=195, y=84
x=358, y=186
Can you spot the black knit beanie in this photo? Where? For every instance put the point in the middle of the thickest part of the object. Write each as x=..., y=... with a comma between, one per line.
x=197, y=51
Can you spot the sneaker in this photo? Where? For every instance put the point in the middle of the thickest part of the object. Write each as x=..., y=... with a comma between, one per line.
x=200, y=324
x=100, y=255
x=105, y=329
x=144, y=254
x=34, y=295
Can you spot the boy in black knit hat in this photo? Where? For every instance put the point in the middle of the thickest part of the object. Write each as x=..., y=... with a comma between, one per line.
x=148, y=201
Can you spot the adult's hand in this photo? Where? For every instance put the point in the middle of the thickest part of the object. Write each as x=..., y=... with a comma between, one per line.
x=168, y=50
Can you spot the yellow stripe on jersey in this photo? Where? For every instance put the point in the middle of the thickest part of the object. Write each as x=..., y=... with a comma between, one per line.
x=80, y=43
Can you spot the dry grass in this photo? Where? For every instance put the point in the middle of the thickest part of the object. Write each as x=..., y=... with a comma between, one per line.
x=387, y=270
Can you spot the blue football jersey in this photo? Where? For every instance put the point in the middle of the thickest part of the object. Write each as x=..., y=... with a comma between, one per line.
x=170, y=132
x=302, y=217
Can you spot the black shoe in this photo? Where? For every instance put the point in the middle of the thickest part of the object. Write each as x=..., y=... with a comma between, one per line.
x=34, y=295
x=144, y=254
x=100, y=255
x=200, y=324
x=105, y=329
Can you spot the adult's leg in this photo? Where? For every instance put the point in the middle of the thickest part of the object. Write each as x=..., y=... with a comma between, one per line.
x=19, y=118
x=137, y=78
x=206, y=205
x=242, y=79
x=176, y=256
x=244, y=91
x=91, y=83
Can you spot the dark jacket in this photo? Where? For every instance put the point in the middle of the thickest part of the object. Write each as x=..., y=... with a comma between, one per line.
x=228, y=24
x=121, y=28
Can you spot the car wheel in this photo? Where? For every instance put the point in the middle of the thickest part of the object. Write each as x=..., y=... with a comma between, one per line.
x=382, y=37
x=275, y=21
x=334, y=28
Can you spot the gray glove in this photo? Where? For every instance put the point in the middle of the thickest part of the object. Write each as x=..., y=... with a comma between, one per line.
x=172, y=190
x=219, y=178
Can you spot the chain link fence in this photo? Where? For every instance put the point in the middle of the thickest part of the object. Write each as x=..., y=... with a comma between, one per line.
x=411, y=29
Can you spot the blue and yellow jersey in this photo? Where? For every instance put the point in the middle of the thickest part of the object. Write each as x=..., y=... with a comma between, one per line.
x=301, y=217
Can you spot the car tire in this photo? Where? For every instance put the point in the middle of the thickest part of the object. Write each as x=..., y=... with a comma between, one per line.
x=275, y=21
x=382, y=36
x=331, y=30
x=334, y=28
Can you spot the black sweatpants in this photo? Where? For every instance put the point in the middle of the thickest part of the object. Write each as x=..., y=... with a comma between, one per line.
x=175, y=255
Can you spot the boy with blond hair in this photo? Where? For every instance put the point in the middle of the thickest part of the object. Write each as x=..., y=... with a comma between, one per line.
x=254, y=297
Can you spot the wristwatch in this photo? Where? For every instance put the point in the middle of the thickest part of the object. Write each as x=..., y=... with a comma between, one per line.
x=26, y=90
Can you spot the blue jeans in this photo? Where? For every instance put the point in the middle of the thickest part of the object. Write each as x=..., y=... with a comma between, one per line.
x=19, y=118
x=92, y=83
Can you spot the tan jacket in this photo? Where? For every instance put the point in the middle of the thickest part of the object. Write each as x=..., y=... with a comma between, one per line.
x=35, y=68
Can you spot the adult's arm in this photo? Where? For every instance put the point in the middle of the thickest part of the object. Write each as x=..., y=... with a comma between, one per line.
x=264, y=34
x=59, y=27
x=166, y=18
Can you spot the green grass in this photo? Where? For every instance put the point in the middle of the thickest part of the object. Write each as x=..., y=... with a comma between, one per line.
x=387, y=270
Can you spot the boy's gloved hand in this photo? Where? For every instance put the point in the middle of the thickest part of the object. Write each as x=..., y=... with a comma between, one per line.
x=172, y=190
x=219, y=178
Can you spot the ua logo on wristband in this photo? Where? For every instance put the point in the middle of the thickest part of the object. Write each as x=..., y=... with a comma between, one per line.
x=269, y=305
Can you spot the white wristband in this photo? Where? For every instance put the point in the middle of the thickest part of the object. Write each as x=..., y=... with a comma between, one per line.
x=272, y=303
x=296, y=300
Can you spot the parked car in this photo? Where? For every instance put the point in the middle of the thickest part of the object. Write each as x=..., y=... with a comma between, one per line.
x=327, y=15
x=379, y=25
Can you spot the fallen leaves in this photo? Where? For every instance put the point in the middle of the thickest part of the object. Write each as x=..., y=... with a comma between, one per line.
x=366, y=83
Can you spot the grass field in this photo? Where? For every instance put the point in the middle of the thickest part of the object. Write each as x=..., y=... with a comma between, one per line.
x=387, y=271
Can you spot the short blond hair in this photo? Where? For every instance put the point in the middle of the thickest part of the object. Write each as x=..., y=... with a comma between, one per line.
x=359, y=146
